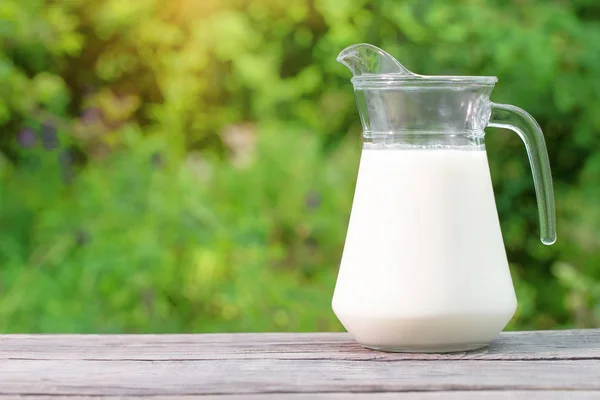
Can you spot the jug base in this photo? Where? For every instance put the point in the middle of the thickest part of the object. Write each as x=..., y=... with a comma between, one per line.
x=435, y=333
x=443, y=348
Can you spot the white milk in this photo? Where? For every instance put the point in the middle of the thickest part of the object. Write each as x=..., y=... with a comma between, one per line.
x=424, y=266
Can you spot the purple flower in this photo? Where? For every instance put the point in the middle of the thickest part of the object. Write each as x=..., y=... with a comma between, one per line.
x=49, y=137
x=27, y=138
x=66, y=159
x=91, y=115
x=313, y=200
x=157, y=160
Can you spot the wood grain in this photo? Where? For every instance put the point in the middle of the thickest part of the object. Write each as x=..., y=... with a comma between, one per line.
x=454, y=395
x=528, y=345
x=289, y=376
x=537, y=363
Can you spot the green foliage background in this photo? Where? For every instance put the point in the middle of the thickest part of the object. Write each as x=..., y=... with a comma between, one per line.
x=189, y=165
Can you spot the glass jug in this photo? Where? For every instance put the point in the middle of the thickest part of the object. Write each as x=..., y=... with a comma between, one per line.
x=424, y=267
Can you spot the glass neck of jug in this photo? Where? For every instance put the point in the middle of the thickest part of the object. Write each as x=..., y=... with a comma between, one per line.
x=423, y=112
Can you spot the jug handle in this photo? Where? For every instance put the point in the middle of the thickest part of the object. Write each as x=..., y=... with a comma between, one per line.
x=520, y=121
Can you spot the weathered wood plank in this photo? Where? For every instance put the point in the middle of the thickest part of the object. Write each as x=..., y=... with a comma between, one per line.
x=455, y=395
x=546, y=345
x=253, y=376
x=548, y=364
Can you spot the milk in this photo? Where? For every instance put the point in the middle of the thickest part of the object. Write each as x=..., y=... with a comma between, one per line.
x=424, y=266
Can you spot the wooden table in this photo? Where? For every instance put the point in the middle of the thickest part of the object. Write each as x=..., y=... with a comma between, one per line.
x=536, y=365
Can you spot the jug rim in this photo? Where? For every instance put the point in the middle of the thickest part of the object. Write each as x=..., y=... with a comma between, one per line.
x=403, y=80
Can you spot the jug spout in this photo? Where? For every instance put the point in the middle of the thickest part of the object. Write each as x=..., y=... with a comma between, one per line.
x=365, y=58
